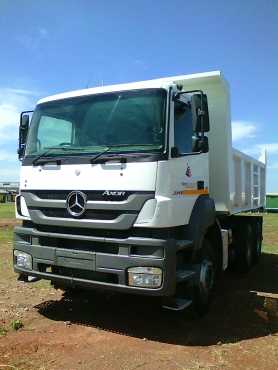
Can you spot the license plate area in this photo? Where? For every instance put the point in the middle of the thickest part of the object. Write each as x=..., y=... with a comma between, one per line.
x=75, y=259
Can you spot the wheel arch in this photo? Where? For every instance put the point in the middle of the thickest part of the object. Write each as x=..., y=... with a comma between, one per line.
x=215, y=237
x=203, y=223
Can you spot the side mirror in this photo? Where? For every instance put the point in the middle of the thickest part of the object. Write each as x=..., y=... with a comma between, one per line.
x=23, y=131
x=200, y=144
x=200, y=113
x=24, y=120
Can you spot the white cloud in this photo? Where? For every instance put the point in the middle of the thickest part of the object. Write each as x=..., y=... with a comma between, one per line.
x=243, y=130
x=33, y=39
x=10, y=90
x=12, y=102
x=7, y=156
x=9, y=116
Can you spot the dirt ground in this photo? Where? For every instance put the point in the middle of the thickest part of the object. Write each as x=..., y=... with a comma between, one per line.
x=96, y=331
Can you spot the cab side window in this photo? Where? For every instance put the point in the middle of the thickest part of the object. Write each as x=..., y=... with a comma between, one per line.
x=183, y=128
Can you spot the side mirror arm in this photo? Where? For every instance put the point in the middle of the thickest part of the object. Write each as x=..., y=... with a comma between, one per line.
x=175, y=152
x=200, y=144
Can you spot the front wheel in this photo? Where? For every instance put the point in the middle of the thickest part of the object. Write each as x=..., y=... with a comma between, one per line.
x=204, y=288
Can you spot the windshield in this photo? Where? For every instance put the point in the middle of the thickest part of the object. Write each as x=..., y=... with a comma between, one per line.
x=85, y=125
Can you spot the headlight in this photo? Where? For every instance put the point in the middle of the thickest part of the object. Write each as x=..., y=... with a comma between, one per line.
x=23, y=259
x=145, y=277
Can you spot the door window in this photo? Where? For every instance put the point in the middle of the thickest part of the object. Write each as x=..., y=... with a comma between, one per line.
x=183, y=128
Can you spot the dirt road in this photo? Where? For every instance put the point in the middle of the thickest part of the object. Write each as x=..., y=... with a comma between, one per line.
x=120, y=332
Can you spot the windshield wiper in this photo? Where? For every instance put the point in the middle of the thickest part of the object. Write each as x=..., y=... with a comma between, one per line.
x=37, y=161
x=109, y=147
x=49, y=150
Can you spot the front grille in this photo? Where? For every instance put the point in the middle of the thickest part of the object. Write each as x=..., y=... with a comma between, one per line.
x=116, y=234
x=89, y=214
x=101, y=208
x=54, y=194
x=119, y=234
x=82, y=245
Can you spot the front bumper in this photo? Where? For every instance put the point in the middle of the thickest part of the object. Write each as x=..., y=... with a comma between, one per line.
x=96, y=262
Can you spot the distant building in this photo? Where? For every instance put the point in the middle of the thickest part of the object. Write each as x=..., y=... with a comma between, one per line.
x=8, y=191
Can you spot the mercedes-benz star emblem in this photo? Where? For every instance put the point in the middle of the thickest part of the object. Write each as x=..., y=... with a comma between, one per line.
x=76, y=203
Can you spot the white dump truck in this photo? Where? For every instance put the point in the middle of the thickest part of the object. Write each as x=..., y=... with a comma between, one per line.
x=136, y=188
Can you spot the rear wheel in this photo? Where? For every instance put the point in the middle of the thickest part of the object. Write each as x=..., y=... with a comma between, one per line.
x=204, y=288
x=245, y=248
x=257, y=247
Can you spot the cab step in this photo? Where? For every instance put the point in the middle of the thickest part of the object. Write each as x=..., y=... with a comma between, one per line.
x=185, y=275
x=177, y=304
x=184, y=244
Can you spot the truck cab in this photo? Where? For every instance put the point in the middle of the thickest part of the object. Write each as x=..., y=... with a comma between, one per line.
x=126, y=188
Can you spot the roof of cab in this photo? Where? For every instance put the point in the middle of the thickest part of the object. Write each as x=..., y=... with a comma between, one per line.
x=155, y=83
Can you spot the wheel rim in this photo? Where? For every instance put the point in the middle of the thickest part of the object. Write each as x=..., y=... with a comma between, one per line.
x=249, y=254
x=258, y=247
x=206, y=276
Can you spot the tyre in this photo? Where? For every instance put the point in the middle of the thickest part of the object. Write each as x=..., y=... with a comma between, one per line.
x=257, y=247
x=203, y=290
x=245, y=248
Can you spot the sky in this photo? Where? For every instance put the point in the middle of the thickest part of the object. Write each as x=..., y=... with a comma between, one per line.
x=54, y=46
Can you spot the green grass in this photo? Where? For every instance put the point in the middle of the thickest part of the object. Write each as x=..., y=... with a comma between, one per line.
x=6, y=239
x=3, y=331
x=7, y=210
x=270, y=233
x=6, y=234
x=17, y=324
